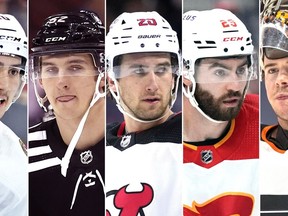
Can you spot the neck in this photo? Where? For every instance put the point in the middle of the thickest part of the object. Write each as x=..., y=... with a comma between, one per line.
x=132, y=125
x=196, y=127
x=93, y=130
x=283, y=123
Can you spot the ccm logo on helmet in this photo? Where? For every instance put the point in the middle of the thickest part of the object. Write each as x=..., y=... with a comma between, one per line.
x=233, y=39
x=11, y=38
x=54, y=39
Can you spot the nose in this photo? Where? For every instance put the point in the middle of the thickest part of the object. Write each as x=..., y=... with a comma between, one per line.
x=152, y=82
x=62, y=82
x=4, y=82
x=282, y=78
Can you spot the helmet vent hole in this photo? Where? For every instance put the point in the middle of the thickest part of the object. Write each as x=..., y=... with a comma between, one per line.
x=142, y=45
x=225, y=49
x=242, y=48
x=18, y=48
x=1, y=46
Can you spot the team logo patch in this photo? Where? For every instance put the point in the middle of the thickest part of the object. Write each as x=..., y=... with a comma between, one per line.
x=86, y=157
x=125, y=141
x=206, y=156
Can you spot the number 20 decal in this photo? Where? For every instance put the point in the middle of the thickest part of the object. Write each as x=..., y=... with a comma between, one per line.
x=145, y=22
x=228, y=23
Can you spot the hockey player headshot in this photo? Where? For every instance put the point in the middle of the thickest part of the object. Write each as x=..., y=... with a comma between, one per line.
x=13, y=160
x=66, y=153
x=221, y=121
x=144, y=152
x=274, y=138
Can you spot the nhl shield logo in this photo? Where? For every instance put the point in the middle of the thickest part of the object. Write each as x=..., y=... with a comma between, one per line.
x=125, y=141
x=206, y=156
x=86, y=157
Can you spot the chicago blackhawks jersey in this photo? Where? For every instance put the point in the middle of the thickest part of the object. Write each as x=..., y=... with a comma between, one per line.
x=81, y=192
x=221, y=178
x=13, y=177
x=273, y=172
x=143, y=170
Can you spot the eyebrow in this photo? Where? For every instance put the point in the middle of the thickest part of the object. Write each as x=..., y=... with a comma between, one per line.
x=217, y=64
x=73, y=61
x=166, y=63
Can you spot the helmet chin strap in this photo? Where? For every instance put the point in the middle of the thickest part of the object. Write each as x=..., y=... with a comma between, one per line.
x=190, y=95
x=66, y=159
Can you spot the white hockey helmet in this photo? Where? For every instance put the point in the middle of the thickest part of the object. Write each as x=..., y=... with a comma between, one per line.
x=13, y=42
x=212, y=33
x=141, y=32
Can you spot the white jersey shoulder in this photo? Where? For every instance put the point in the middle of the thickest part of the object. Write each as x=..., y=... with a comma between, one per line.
x=13, y=178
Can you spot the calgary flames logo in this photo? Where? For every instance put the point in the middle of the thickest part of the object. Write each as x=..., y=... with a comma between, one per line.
x=226, y=204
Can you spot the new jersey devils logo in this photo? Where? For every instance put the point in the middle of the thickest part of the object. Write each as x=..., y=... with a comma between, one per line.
x=131, y=203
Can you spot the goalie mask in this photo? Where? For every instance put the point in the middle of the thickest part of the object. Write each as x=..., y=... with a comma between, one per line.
x=274, y=29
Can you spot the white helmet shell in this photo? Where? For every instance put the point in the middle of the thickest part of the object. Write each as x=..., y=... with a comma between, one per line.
x=140, y=32
x=213, y=33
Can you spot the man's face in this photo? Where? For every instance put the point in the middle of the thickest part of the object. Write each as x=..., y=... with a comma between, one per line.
x=145, y=89
x=69, y=83
x=276, y=82
x=10, y=80
x=220, y=86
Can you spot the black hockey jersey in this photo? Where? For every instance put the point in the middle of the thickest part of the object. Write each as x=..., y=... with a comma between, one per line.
x=143, y=170
x=51, y=194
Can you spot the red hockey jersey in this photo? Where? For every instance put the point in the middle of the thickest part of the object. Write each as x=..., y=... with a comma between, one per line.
x=222, y=179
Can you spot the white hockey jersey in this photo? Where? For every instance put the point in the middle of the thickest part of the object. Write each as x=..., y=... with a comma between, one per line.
x=273, y=177
x=14, y=177
x=143, y=170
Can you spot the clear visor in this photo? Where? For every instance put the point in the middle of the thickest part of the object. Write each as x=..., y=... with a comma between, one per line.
x=275, y=42
x=13, y=72
x=218, y=71
x=159, y=65
x=76, y=63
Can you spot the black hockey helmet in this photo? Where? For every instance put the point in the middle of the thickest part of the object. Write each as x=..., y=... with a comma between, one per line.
x=71, y=31
x=68, y=33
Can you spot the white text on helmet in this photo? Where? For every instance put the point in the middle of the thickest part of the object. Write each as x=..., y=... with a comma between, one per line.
x=233, y=39
x=53, y=39
x=148, y=36
x=11, y=38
